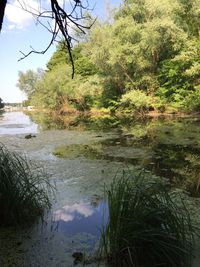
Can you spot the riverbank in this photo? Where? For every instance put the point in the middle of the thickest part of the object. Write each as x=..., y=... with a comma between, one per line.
x=106, y=112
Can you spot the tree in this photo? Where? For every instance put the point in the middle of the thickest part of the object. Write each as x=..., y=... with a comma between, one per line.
x=58, y=92
x=27, y=81
x=130, y=50
x=189, y=16
x=148, y=41
x=179, y=77
x=62, y=91
x=148, y=52
x=83, y=65
x=60, y=56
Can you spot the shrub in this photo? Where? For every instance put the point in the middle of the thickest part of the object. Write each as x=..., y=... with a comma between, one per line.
x=135, y=100
x=146, y=227
x=24, y=190
x=192, y=101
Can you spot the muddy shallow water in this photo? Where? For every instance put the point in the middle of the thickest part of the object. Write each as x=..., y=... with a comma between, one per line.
x=81, y=155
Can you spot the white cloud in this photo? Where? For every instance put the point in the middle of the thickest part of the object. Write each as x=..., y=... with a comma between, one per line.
x=19, y=18
x=11, y=26
x=18, y=12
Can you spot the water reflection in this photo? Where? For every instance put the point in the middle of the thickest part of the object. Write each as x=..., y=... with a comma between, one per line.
x=80, y=218
x=81, y=122
x=48, y=121
x=12, y=123
x=167, y=147
x=68, y=213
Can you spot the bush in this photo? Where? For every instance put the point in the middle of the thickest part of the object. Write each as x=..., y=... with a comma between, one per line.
x=24, y=190
x=192, y=101
x=146, y=227
x=135, y=100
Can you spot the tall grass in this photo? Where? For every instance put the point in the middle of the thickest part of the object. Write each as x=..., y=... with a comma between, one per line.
x=24, y=190
x=147, y=226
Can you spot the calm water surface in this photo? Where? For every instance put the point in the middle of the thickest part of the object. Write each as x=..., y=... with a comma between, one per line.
x=81, y=154
x=13, y=123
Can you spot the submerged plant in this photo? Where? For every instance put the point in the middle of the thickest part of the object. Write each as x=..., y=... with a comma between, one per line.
x=148, y=226
x=24, y=190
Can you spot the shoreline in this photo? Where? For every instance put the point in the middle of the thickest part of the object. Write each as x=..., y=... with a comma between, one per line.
x=153, y=114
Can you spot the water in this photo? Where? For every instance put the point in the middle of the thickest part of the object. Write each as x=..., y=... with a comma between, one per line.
x=12, y=123
x=78, y=218
x=78, y=211
x=81, y=154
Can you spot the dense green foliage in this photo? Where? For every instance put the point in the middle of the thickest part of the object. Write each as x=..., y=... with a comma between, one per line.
x=24, y=190
x=150, y=50
x=147, y=225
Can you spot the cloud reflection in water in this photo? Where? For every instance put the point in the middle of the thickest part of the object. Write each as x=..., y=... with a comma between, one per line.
x=68, y=213
x=80, y=218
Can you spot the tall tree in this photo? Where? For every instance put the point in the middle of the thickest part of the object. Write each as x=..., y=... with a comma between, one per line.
x=28, y=80
x=130, y=50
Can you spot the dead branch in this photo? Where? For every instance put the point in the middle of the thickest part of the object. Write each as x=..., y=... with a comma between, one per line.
x=63, y=23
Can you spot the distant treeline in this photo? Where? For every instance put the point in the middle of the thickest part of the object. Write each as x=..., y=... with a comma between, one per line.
x=13, y=104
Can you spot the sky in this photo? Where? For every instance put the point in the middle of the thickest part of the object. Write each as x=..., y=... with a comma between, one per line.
x=19, y=33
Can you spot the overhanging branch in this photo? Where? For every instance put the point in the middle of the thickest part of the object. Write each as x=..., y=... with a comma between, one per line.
x=64, y=23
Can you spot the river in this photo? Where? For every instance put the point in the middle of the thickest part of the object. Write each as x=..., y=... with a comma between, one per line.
x=81, y=155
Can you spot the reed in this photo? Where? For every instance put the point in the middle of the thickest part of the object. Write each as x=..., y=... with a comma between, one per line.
x=24, y=190
x=147, y=226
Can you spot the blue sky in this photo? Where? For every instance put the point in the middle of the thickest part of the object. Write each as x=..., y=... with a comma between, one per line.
x=18, y=34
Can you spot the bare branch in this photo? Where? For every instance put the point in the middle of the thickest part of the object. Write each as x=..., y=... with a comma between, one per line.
x=63, y=22
x=54, y=34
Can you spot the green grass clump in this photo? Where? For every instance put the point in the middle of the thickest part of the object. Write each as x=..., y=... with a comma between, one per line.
x=24, y=190
x=147, y=226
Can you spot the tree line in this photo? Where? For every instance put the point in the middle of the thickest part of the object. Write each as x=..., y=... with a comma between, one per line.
x=147, y=58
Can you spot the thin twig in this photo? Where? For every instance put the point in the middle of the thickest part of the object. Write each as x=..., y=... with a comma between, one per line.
x=63, y=23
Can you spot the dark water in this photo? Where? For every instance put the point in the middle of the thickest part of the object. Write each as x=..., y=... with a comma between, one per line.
x=81, y=154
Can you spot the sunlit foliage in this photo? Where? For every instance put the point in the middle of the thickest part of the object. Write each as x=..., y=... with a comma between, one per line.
x=151, y=46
